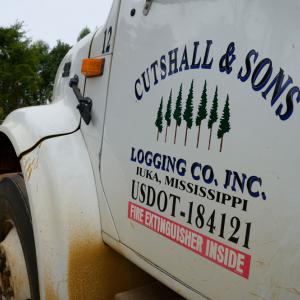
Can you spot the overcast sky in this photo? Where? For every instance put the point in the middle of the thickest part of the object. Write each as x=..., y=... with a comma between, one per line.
x=50, y=20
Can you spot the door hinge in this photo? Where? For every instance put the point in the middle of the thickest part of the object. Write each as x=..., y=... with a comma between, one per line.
x=147, y=7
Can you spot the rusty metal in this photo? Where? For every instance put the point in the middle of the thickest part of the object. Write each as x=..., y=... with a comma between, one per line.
x=7, y=272
x=6, y=290
x=14, y=282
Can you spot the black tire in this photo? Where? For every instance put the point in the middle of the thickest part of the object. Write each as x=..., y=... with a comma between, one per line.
x=14, y=209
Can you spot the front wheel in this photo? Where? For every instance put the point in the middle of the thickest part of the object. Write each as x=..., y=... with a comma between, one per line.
x=18, y=266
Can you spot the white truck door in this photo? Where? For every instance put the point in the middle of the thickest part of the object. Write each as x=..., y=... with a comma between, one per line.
x=200, y=155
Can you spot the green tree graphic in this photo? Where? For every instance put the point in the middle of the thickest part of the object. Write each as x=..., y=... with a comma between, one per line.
x=159, y=119
x=224, y=126
x=188, y=113
x=177, y=112
x=168, y=115
x=202, y=111
x=213, y=117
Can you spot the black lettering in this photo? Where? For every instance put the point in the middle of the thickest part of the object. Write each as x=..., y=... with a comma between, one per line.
x=138, y=95
x=227, y=179
x=279, y=87
x=196, y=65
x=250, y=182
x=225, y=197
x=181, y=167
x=174, y=203
x=154, y=68
x=184, y=61
x=150, y=196
x=202, y=191
x=211, y=194
x=289, y=104
x=162, y=202
x=189, y=187
x=258, y=86
x=134, y=192
x=244, y=77
x=169, y=181
x=146, y=84
x=133, y=158
x=182, y=185
x=163, y=67
x=143, y=194
x=173, y=62
x=206, y=65
x=194, y=167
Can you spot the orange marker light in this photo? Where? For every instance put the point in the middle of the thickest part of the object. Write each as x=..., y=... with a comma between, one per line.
x=92, y=67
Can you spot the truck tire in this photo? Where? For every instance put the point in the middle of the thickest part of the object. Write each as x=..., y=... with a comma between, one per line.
x=18, y=265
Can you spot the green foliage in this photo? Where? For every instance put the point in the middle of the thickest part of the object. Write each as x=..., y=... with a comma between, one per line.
x=27, y=70
x=159, y=117
x=48, y=68
x=224, y=126
x=1, y=114
x=188, y=113
x=202, y=111
x=169, y=110
x=213, y=117
x=18, y=68
x=85, y=31
x=178, y=108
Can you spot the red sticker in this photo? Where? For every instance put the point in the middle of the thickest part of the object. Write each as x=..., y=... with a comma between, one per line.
x=227, y=257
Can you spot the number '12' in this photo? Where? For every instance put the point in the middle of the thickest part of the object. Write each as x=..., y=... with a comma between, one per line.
x=107, y=39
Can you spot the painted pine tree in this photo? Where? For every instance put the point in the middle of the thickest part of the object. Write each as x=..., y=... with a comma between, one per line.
x=224, y=126
x=168, y=115
x=188, y=113
x=177, y=112
x=213, y=117
x=159, y=119
x=202, y=111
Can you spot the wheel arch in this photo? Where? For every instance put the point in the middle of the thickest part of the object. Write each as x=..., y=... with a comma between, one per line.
x=9, y=162
x=73, y=261
x=61, y=220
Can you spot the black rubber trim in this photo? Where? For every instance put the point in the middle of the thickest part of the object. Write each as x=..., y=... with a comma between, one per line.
x=89, y=55
x=47, y=138
x=14, y=207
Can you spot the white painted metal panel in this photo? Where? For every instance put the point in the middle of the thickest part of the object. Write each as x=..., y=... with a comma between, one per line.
x=96, y=88
x=226, y=241
x=64, y=209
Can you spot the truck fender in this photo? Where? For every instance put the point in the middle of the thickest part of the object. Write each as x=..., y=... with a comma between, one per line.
x=27, y=126
x=73, y=262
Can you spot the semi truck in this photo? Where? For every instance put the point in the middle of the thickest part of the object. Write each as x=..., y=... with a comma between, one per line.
x=170, y=154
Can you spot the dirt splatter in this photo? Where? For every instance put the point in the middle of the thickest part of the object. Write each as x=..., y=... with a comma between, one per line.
x=31, y=163
x=132, y=225
x=255, y=295
x=95, y=271
x=259, y=263
x=290, y=290
x=50, y=292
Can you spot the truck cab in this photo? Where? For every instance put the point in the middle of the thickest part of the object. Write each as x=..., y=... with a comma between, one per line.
x=171, y=144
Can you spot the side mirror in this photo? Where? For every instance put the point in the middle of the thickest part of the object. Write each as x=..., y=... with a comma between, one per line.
x=85, y=103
